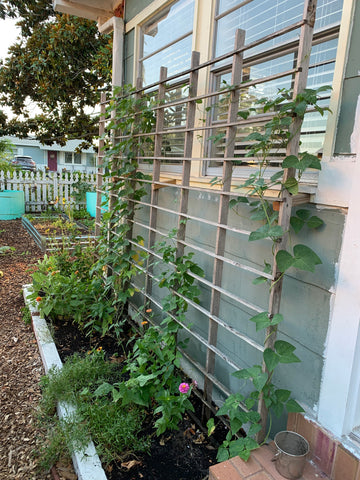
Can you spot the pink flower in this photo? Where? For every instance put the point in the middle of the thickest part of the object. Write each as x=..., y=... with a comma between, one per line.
x=194, y=383
x=184, y=387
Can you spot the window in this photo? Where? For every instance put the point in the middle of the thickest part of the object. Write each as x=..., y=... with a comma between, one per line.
x=259, y=18
x=91, y=160
x=72, y=158
x=167, y=41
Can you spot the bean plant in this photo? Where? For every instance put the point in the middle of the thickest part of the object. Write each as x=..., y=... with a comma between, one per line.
x=240, y=408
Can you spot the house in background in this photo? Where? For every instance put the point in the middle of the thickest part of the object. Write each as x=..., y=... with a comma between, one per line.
x=323, y=311
x=56, y=157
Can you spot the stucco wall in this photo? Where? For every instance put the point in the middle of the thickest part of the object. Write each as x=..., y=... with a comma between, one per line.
x=306, y=299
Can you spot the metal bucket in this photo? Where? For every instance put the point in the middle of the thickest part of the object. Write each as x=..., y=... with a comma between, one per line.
x=292, y=450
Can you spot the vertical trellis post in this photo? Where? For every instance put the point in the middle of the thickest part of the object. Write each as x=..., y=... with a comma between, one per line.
x=100, y=170
x=188, y=145
x=224, y=209
x=156, y=177
x=303, y=59
x=133, y=181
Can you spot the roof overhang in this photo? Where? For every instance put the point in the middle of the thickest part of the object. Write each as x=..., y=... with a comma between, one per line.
x=98, y=10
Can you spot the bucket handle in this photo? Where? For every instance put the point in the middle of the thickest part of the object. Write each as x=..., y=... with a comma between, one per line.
x=275, y=457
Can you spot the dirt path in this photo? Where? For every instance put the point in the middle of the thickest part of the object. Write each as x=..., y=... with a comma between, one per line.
x=20, y=363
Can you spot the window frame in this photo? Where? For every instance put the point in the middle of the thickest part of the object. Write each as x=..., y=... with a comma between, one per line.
x=321, y=35
x=73, y=154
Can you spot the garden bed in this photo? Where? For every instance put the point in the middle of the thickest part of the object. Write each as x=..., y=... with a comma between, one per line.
x=184, y=454
x=52, y=232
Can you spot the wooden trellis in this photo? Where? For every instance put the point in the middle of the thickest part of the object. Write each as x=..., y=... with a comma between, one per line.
x=183, y=184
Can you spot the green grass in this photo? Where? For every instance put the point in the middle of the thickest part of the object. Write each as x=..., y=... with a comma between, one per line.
x=115, y=430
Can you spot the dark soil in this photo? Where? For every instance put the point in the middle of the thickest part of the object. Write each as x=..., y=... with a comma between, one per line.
x=185, y=454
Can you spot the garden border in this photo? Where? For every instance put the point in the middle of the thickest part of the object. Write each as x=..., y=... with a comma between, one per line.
x=50, y=244
x=87, y=464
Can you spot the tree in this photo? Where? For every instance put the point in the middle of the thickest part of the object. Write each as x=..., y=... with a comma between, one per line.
x=57, y=67
x=6, y=152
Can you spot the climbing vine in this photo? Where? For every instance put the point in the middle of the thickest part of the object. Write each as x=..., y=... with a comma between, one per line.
x=153, y=362
x=276, y=135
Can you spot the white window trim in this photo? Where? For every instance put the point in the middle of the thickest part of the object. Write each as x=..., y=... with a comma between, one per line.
x=62, y=159
x=204, y=22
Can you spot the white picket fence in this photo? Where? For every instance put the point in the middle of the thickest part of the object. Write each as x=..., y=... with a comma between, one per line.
x=45, y=189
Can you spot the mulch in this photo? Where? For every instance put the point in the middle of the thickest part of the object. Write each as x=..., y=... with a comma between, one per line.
x=172, y=456
x=20, y=363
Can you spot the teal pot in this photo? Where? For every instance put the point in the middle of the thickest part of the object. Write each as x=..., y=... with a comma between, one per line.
x=91, y=203
x=12, y=204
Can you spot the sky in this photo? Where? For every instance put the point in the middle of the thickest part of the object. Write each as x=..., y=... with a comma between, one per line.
x=8, y=34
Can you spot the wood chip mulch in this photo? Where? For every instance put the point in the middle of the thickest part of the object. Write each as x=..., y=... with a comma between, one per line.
x=20, y=363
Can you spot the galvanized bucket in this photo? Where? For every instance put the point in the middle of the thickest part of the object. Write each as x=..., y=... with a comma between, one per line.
x=290, y=458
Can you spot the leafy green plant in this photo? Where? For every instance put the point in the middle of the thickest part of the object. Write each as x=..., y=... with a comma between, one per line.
x=277, y=134
x=114, y=429
x=65, y=288
x=80, y=187
x=6, y=249
x=26, y=315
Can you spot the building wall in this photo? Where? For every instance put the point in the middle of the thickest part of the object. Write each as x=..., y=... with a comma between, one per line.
x=34, y=152
x=307, y=299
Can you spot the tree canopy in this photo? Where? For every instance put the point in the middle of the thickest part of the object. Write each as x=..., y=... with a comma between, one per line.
x=53, y=74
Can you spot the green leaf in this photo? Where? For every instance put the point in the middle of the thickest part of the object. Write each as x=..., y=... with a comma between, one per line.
x=103, y=389
x=303, y=214
x=260, y=233
x=255, y=136
x=244, y=114
x=284, y=260
x=285, y=351
x=305, y=258
x=277, y=408
x=247, y=373
x=310, y=161
x=292, y=406
x=222, y=454
x=260, y=380
x=144, y=379
x=292, y=185
x=300, y=108
x=211, y=426
x=254, y=429
x=277, y=175
x=197, y=270
x=271, y=359
x=297, y=224
x=259, y=280
x=282, y=395
x=290, y=162
x=284, y=348
x=261, y=319
x=258, y=215
x=276, y=231
x=315, y=222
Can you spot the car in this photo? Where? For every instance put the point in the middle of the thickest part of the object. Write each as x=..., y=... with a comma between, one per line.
x=24, y=162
